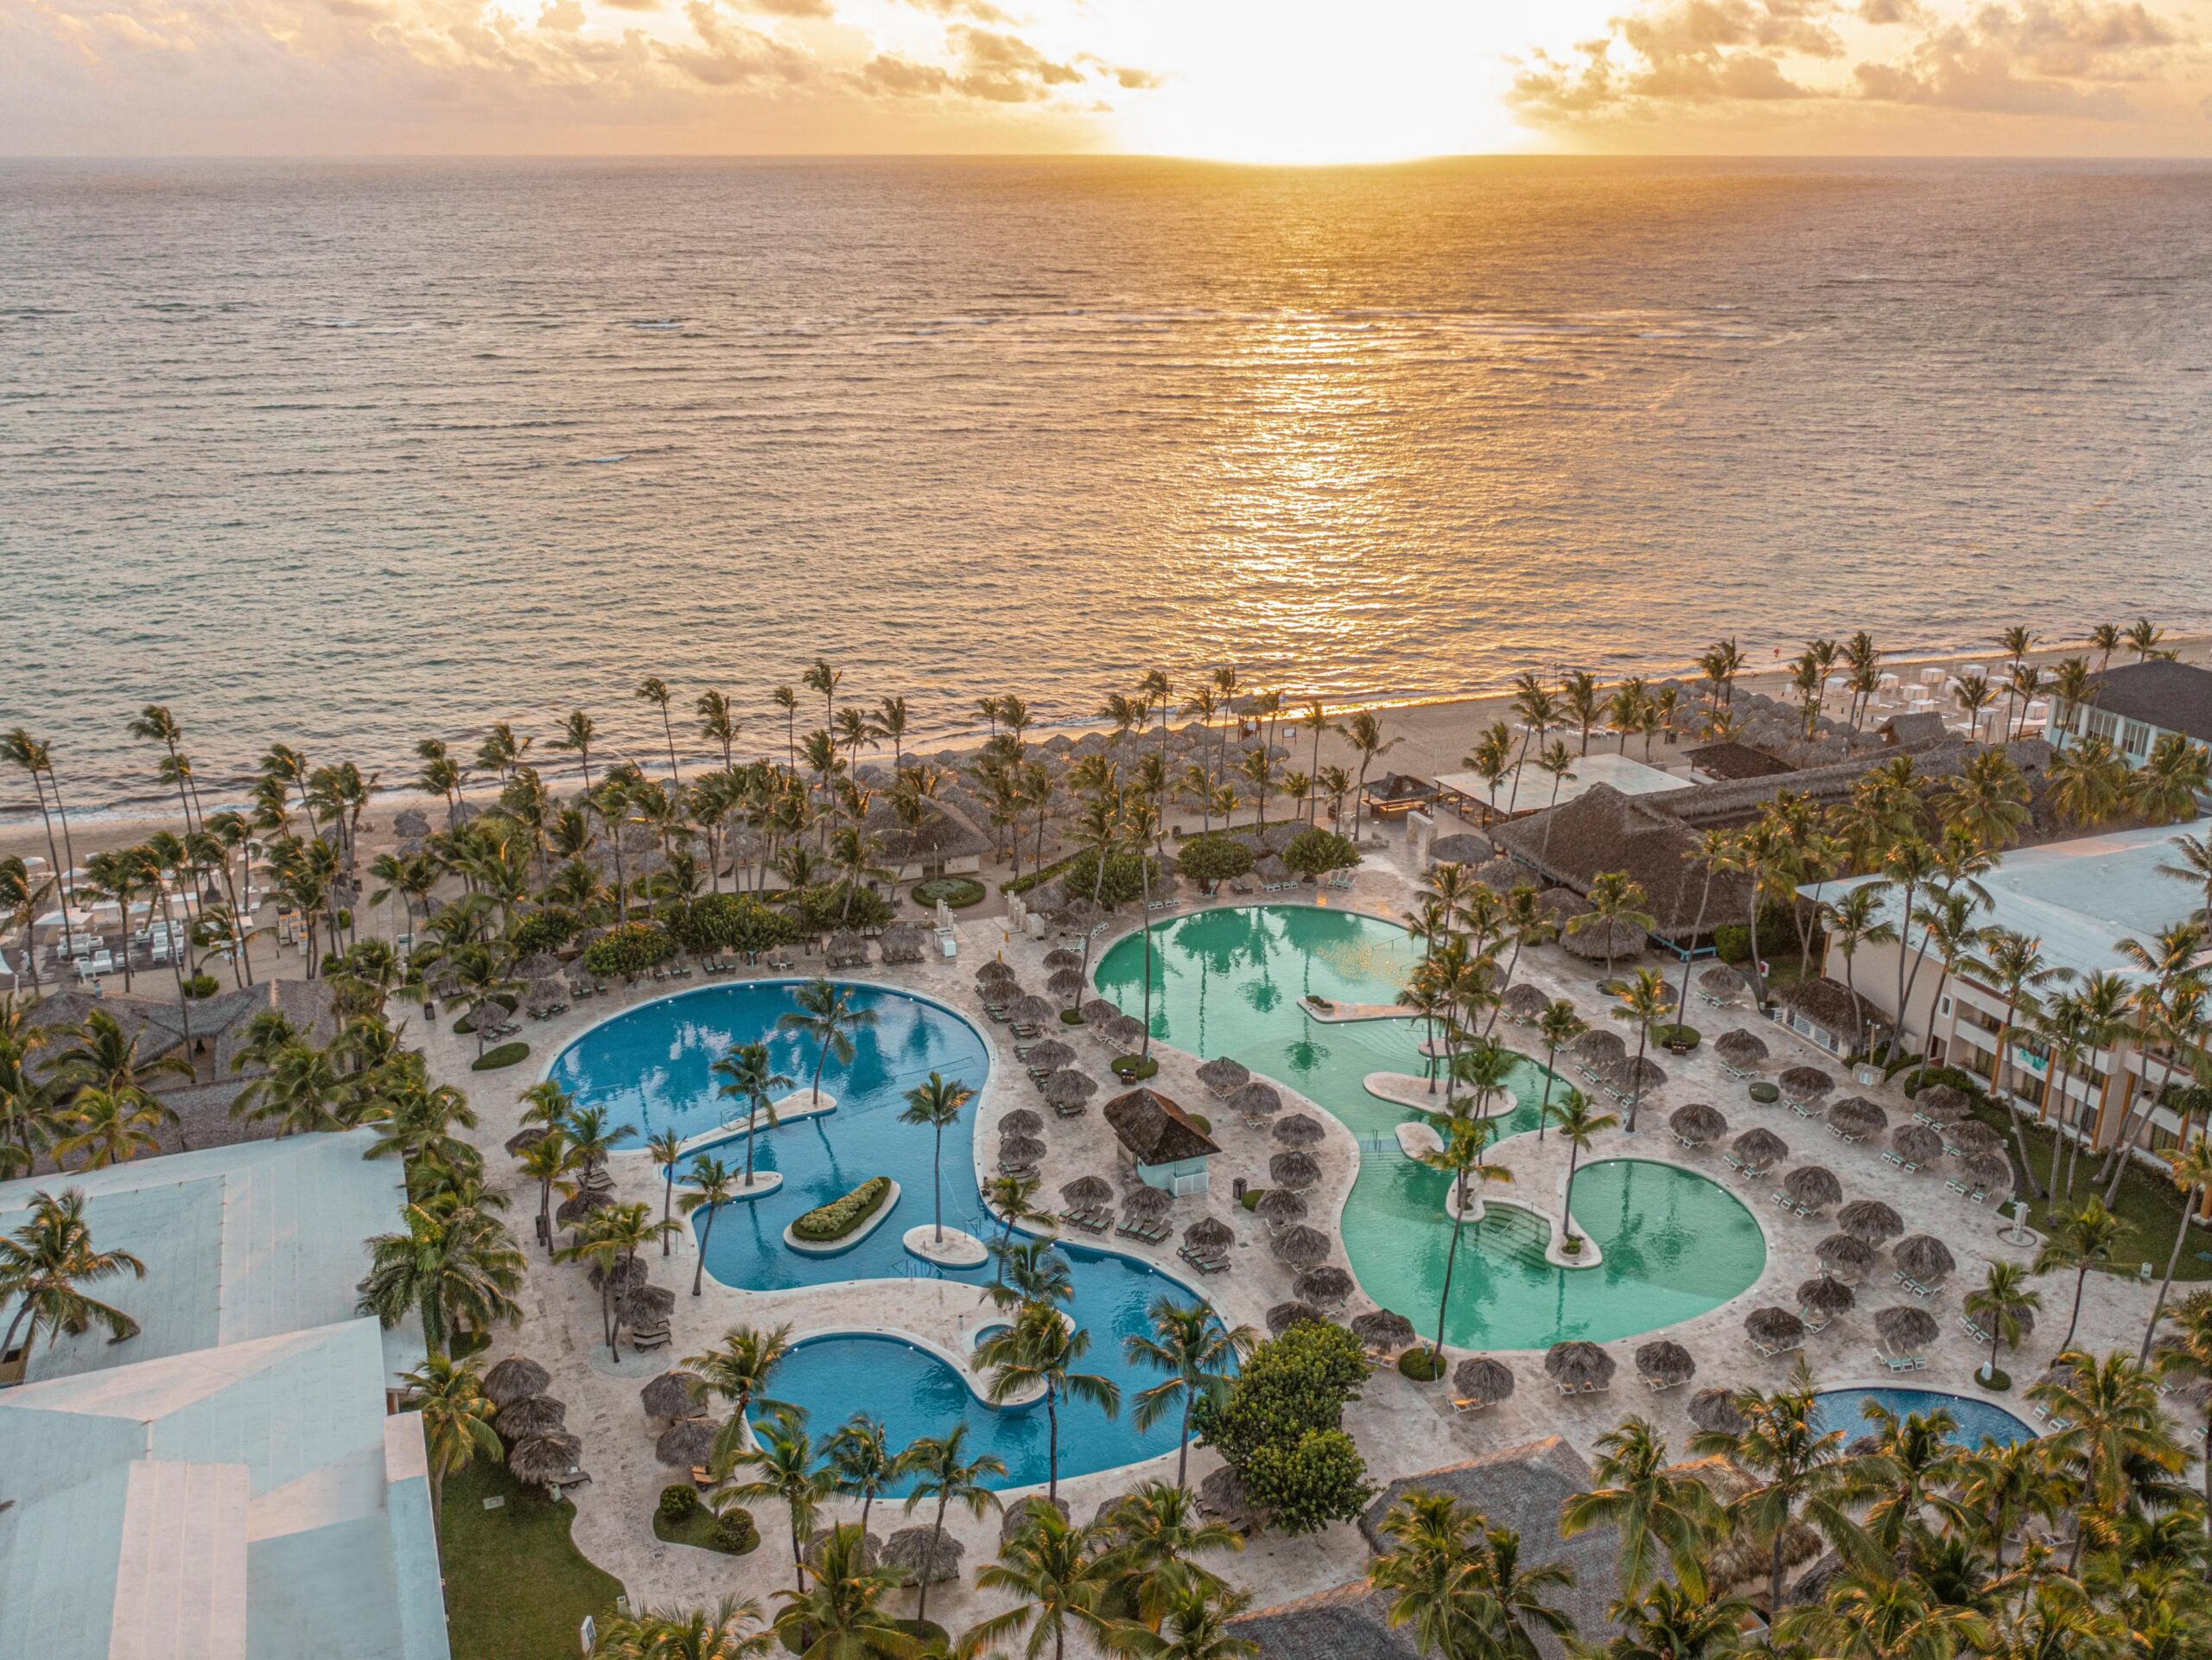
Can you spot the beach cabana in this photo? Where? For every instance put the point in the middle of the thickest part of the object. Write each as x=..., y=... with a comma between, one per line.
x=1398, y=792
x=1168, y=1150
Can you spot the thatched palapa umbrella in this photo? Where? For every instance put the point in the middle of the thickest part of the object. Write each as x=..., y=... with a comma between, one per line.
x=1255, y=1100
x=1804, y=1083
x=1637, y=1075
x=1294, y=1170
x=534, y=1415
x=1086, y=1190
x=514, y=1379
x=589, y=1202
x=1021, y=1122
x=522, y=1140
x=1482, y=1378
x=1383, y=1329
x=1221, y=1075
x=1097, y=1011
x=544, y=1460
x=1698, y=1123
x=1942, y=1105
x=1065, y=983
x=1773, y=1328
x=1601, y=941
x=1020, y=1149
x=1278, y=1206
x=1299, y=1130
x=1716, y=1409
x=1049, y=1056
x=1063, y=957
x=544, y=996
x=1814, y=1186
x=672, y=1395
x=1146, y=1203
x=1990, y=1173
x=1871, y=1220
x=1018, y=1514
x=646, y=1305
x=1740, y=1049
x=627, y=1276
x=816, y=1541
x=687, y=1442
x=1923, y=1258
x=1068, y=1088
x=1917, y=1143
x=1906, y=1328
x=1845, y=1256
x=910, y=1551
x=1973, y=1138
x=1599, y=1048
x=1722, y=983
x=997, y=972
x=1124, y=1030
x=1324, y=1285
x=1825, y=1297
x=1665, y=1363
x=1223, y=1495
x=1208, y=1233
x=1760, y=1150
x=1525, y=1002
x=1284, y=1315
x=1302, y=1247
x=1578, y=1364
x=1856, y=1116
x=1032, y=1010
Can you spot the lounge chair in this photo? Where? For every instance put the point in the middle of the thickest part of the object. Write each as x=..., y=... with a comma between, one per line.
x=1661, y=1385
x=1899, y=1362
x=1973, y=1329
x=1470, y=1403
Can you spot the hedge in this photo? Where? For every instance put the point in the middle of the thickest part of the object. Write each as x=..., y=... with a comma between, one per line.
x=841, y=1216
x=736, y=922
x=1123, y=881
x=958, y=892
x=633, y=949
x=822, y=909
x=506, y=1055
x=1777, y=937
x=548, y=930
x=1965, y=1082
x=678, y=1501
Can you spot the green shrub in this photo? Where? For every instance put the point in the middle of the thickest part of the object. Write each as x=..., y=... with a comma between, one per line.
x=1778, y=935
x=678, y=1501
x=734, y=1533
x=1135, y=1069
x=1124, y=881
x=841, y=1216
x=547, y=931
x=1291, y=1384
x=1022, y=884
x=1995, y=1382
x=1251, y=1199
x=958, y=892
x=1304, y=1485
x=1204, y=1124
x=1071, y=1017
x=1957, y=1078
x=1766, y=1093
x=1210, y=859
x=202, y=985
x=1314, y=852
x=733, y=922
x=1680, y=1039
x=823, y=909
x=506, y=1055
x=634, y=948
x=1422, y=1365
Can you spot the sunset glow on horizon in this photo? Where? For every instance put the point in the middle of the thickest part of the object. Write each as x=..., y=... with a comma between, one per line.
x=1298, y=81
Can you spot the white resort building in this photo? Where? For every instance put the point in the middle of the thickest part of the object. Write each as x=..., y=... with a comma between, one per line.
x=231, y=1481
x=2135, y=705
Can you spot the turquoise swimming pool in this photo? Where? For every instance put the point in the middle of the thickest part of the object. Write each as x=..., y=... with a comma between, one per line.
x=1227, y=981
x=1977, y=1420
x=648, y=1066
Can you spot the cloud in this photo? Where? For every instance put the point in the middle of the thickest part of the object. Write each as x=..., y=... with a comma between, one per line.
x=2036, y=58
x=564, y=16
x=981, y=11
x=788, y=8
x=730, y=54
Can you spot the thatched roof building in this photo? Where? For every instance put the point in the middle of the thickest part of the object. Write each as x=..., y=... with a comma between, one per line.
x=1602, y=830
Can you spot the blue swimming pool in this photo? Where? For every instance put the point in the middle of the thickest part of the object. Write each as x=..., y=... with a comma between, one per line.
x=1978, y=1421
x=648, y=1066
x=915, y=1393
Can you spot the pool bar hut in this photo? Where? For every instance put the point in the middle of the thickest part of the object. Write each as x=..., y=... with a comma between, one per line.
x=1167, y=1145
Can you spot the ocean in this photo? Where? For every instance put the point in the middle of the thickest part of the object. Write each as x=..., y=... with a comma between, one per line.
x=349, y=454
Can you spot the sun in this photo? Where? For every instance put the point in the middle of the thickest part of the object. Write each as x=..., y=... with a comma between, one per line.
x=1304, y=82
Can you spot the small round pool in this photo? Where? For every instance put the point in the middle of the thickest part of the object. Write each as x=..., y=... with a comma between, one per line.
x=1977, y=1420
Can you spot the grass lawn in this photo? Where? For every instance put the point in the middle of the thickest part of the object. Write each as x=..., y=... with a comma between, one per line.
x=2149, y=1205
x=517, y=1589
x=697, y=1530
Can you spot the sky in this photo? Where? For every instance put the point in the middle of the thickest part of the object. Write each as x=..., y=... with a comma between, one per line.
x=1269, y=81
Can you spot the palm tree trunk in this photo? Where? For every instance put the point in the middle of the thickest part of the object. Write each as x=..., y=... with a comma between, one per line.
x=1544, y=1110
x=2173, y=1260
x=667, y=1208
x=2081, y=1278
x=937, y=1183
x=1567, y=1199
x=705, y=1234
x=1451, y=1259
x=1635, y=1098
x=751, y=1110
x=1052, y=1445
x=929, y=1565
x=60, y=873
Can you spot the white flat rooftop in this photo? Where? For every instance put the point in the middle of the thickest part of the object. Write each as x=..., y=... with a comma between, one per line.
x=1623, y=773
x=2081, y=898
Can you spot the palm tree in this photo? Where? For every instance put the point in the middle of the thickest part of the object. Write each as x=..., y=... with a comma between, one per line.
x=2190, y=1168
x=1013, y=1201
x=737, y=1369
x=34, y=757
x=2185, y=1355
x=1672, y=1622
x=783, y=1455
x=2142, y=637
x=945, y=1475
x=1999, y=1303
x=1039, y=1350
x=2165, y=788
x=1643, y=1001
x=606, y=1239
x=1458, y=1583
x=861, y=1463
x=720, y=1633
x=749, y=1076
x=1559, y=1025
x=1534, y=706
x=1189, y=1343
x=45, y=1261
x=2088, y=783
x=456, y=1418
x=1797, y=1470
x=1460, y=1159
x=1152, y=1536
x=1056, y=1583
x=1886, y=1618
x=825, y=1017
x=936, y=1103
x=2081, y=1240
x=837, y=1612
x=1364, y=734
x=1580, y=1126
x=654, y=690
x=1662, y=1520
x=1197, y=1624
x=2113, y=1435
x=1614, y=899
x=546, y=1162
x=576, y=738
x=2011, y=964
x=107, y=1128
x=709, y=1186
x=458, y=1271
x=1973, y=694
x=1854, y=923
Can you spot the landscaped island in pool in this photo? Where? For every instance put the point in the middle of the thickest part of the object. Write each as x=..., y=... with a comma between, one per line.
x=1227, y=981
x=648, y=1067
